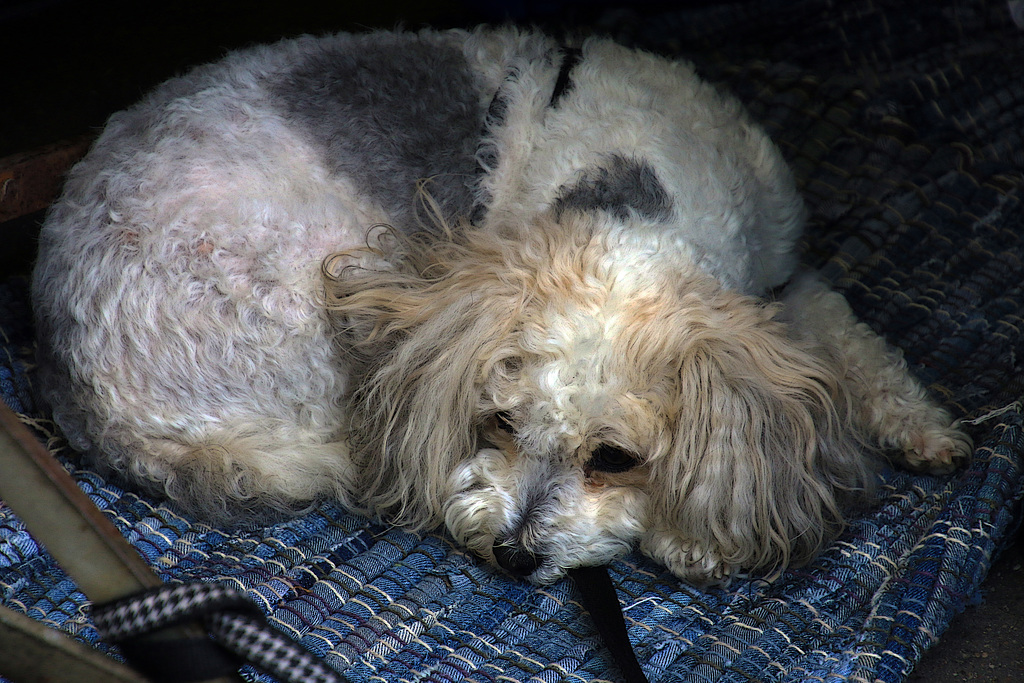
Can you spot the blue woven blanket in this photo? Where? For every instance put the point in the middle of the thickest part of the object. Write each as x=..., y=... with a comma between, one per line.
x=903, y=121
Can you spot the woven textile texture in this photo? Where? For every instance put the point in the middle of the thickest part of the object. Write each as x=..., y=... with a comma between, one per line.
x=903, y=121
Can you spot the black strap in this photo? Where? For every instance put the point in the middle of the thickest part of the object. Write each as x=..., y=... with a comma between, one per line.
x=486, y=154
x=572, y=57
x=598, y=596
x=179, y=660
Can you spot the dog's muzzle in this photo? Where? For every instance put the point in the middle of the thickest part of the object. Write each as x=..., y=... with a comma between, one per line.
x=516, y=561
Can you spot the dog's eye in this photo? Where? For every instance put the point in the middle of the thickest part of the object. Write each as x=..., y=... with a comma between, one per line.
x=503, y=421
x=608, y=458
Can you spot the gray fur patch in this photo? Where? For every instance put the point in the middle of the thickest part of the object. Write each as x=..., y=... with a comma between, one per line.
x=388, y=115
x=622, y=187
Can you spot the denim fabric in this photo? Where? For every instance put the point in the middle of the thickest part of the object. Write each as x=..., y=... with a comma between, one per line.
x=902, y=121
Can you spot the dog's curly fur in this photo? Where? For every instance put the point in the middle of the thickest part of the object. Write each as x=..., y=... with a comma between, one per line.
x=575, y=349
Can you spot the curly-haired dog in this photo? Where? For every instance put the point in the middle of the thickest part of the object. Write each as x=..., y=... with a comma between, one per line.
x=564, y=345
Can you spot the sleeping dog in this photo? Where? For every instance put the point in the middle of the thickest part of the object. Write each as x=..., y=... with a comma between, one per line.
x=544, y=296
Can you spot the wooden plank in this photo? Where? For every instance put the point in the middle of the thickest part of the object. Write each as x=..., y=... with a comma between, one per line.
x=30, y=181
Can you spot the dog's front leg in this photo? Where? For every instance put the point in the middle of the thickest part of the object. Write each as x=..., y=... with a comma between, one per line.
x=886, y=401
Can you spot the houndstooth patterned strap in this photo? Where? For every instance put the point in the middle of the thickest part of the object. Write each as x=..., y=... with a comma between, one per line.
x=164, y=606
x=267, y=649
x=232, y=619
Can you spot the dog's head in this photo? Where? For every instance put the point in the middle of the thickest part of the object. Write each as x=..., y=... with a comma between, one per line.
x=557, y=392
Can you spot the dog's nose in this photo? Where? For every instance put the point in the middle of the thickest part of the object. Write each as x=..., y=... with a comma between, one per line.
x=516, y=561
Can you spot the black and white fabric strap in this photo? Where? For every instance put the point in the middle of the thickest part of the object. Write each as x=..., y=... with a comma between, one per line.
x=240, y=634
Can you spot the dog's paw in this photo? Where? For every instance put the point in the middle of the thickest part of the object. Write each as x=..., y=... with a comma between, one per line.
x=692, y=561
x=938, y=450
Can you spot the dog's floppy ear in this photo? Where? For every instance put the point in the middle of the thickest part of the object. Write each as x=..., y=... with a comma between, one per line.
x=421, y=339
x=763, y=460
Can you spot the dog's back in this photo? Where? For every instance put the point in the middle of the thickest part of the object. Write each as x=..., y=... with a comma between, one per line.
x=182, y=338
x=176, y=290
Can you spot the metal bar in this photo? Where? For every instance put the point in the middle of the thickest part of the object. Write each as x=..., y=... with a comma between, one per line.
x=34, y=653
x=61, y=517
